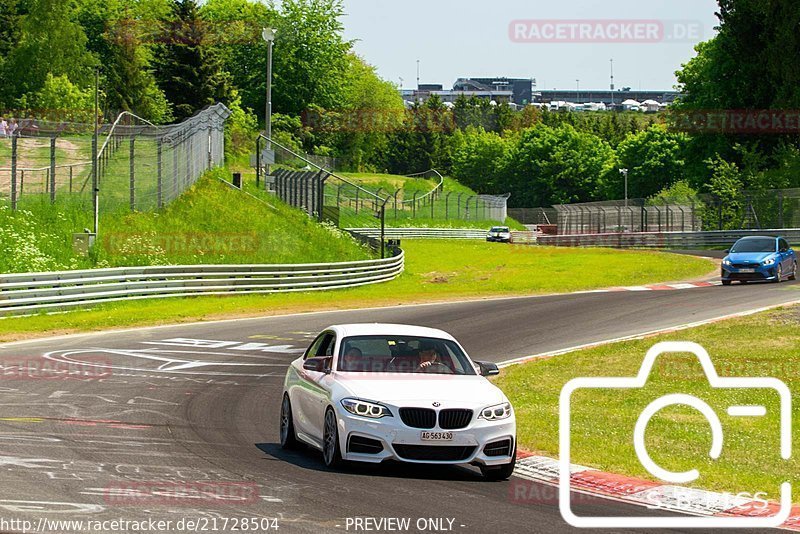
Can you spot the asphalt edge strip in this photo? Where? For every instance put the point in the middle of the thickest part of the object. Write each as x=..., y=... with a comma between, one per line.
x=594, y=484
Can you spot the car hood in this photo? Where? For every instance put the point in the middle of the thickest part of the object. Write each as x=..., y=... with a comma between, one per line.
x=417, y=388
x=755, y=257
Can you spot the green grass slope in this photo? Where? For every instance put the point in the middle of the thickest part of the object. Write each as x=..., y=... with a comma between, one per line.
x=210, y=223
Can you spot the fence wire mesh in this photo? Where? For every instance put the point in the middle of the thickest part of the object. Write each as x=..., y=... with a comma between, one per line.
x=352, y=203
x=140, y=166
x=749, y=210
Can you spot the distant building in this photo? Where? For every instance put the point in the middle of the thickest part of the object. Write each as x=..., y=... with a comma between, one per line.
x=500, y=90
x=605, y=96
x=521, y=89
x=521, y=92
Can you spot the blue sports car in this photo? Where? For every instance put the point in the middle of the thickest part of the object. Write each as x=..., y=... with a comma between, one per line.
x=759, y=259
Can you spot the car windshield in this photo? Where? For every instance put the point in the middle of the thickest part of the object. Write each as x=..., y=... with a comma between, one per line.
x=754, y=245
x=403, y=354
x=499, y=229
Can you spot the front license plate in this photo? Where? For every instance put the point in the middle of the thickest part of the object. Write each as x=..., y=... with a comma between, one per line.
x=747, y=270
x=436, y=436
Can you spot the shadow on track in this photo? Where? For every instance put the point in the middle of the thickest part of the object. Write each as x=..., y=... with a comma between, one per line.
x=311, y=459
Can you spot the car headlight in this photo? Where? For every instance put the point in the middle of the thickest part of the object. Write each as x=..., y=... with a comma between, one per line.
x=770, y=261
x=497, y=412
x=366, y=409
x=726, y=261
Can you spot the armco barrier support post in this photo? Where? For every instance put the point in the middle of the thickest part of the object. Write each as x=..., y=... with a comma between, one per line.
x=52, y=170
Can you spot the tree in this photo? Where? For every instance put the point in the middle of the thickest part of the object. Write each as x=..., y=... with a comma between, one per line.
x=61, y=100
x=234, y=28
x=51, y=42
x=556, y=166
x=726, y=189
x=478, y=161
x=188, y=71
x=311, y=56
x=654, y=159
x=120, y=33
x=372, y=109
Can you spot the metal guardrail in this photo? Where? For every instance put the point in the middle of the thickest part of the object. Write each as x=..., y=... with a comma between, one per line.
x=37, y=292
x=686, y=240
x=422, y=233
x=525, y=238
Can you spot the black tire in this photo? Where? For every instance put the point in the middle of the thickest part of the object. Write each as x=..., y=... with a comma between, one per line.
x=793, y=276
x=500, y=472
x=331, y=452
x=779, y=274
x=288, y=436
x=726, y=282
x=744, y=282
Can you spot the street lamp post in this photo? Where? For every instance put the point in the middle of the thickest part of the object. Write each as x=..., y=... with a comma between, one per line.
x=268, y=34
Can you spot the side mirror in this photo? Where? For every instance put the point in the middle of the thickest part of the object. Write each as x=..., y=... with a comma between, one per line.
x=727, y=251
x=317, y=365
x=488, y=368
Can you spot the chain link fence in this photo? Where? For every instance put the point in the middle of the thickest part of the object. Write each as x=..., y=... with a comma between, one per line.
x=749, y=210
x=140, y=166
x=303, y=182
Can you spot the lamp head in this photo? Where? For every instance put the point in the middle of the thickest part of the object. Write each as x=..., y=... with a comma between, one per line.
x=268, y=34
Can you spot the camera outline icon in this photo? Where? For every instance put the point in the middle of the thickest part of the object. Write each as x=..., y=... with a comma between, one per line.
x=639, y=382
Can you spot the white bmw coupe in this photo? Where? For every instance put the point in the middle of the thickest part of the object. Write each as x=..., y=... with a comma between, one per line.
x=377, y=392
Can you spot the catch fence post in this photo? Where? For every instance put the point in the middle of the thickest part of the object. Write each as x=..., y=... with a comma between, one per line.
x=52, y=170
x=13, y=173
x=132, y=163
x=160, y=172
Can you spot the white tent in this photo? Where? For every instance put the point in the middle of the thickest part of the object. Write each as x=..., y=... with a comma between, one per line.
x=651, y=106
x=631, y=105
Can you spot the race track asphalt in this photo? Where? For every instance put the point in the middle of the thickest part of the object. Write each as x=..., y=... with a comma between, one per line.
x=180, y=423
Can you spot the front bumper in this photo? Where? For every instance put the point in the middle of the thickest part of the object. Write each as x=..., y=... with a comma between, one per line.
x=761, y=273
x=404, y=444
x=498, y=239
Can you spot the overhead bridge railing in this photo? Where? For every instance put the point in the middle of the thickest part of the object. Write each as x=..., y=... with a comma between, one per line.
x=680, y=240
x=29, y=293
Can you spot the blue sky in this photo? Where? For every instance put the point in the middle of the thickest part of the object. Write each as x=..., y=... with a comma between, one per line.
x=458, y=38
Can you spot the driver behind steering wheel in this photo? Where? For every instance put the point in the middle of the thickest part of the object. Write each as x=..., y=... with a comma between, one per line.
x=429, y=358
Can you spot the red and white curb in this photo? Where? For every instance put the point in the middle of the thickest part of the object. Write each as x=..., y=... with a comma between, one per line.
x=591, y=485
x=669, y=287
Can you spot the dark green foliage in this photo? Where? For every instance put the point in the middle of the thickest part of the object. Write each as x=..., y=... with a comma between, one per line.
x=189, y=72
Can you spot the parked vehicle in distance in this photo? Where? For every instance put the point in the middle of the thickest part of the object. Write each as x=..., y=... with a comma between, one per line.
x=759, y=258
x=499, y=234
x=377, y=392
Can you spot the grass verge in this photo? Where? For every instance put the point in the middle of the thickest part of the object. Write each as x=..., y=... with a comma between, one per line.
x=678, y=438
x=435, y=271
